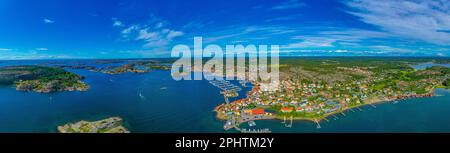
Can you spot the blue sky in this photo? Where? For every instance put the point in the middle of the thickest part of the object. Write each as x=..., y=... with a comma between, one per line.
x=145, y=28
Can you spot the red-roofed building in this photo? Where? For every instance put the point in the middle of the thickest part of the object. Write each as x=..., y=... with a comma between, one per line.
x=258, y=111
x=299, y=109
x=287, y=109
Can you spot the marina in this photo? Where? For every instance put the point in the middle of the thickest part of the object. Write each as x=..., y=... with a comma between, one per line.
x=225, y=85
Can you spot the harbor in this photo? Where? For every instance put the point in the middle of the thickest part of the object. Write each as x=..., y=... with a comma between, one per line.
x=225, y=85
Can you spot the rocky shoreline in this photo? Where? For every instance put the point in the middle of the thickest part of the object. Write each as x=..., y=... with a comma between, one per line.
x=109, y=125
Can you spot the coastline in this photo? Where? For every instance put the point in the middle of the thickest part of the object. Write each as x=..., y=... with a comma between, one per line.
x=222, y=116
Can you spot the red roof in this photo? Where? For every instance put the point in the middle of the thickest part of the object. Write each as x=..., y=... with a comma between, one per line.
x=288, y=109
x=258, y=111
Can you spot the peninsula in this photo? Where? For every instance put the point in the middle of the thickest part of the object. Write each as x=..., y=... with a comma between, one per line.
x=312, y=89
x=138, y=66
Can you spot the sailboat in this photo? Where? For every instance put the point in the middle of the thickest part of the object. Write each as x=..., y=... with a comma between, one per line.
x=141, y=96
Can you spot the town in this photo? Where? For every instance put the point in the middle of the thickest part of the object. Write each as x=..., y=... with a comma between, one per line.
x=310, y=94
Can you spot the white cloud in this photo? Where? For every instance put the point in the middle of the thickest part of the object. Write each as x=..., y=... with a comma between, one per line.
x=41, y=49
x=155, y=35
x=326, y=38
x=125, y=32
x=144, y=34
x=420, y=20
x=157, y=38
x=196, y=25
x=290, y=4
x=240, y=32
x=311, y=43
x=172, y=34
x=117, y=23
x=282, y=18
x=159, y=43
x=48, y=21
x=5, y=49
x=159, y=25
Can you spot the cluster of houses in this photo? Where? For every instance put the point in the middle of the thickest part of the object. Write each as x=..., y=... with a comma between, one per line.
x=315, y=97
x=293, y=97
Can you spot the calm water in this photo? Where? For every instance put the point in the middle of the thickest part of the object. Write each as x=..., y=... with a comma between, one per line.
x=153, y=102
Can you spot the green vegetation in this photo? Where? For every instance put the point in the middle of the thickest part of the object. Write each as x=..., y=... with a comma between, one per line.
x=136, y=67
x=321, y=86
x=446, y=83
x=41, y=79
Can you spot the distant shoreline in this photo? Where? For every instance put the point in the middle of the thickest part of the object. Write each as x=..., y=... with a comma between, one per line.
x=137, y=58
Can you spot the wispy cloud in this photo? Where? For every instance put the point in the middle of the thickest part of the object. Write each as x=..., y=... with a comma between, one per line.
x=420, y=20
x=127, y=31
x=245, y=32
x=290, y=4
x=5, y=49
x=155, y=35
x=282, y=18
x=172, y=34
x=117, y=23
x=41, y=49
x=195, y=25
x=349, y=52
x=332, y=36
x=48, y=21
x=311, y=42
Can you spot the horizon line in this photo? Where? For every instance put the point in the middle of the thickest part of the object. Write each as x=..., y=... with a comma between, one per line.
x=290, y=56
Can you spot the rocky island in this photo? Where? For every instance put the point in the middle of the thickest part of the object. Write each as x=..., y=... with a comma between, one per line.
x=41, y=79
x=109, y=125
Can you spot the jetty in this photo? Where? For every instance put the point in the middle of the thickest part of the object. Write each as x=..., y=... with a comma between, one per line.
x=290, y=124
x=318, y=124
x=265, y=130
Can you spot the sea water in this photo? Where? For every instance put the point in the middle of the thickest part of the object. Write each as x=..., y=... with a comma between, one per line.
x=154, y=102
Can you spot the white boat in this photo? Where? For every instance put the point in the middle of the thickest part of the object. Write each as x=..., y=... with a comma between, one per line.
x=141, y=96
x=251, y=123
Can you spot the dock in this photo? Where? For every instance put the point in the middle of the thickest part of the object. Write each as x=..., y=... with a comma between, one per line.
x=318, y=124
x=265, y=130
x=359, y=109
x=290, y=124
